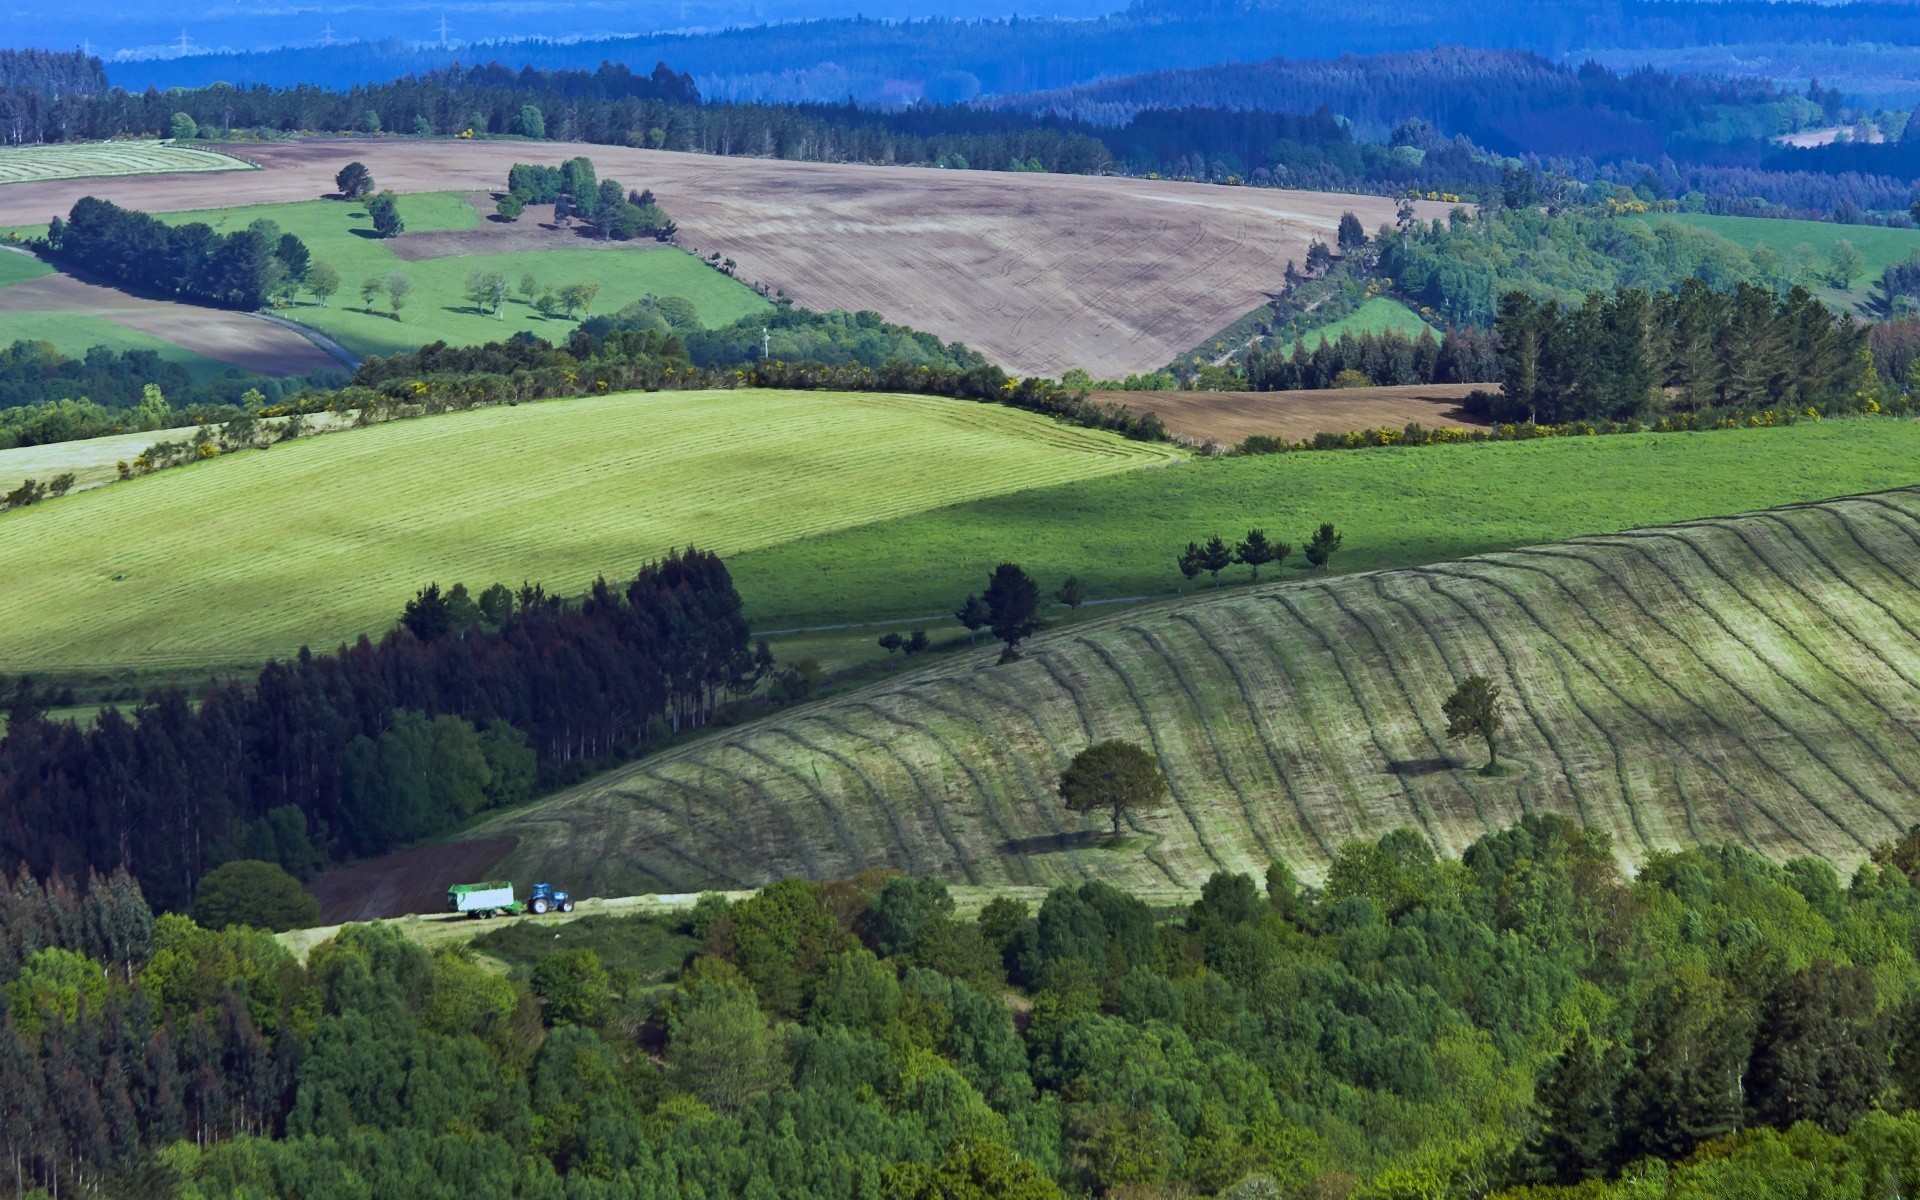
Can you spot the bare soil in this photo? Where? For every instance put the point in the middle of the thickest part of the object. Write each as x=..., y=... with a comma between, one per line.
x=406, y=881
x=233, y=337
x=1039, y=272
x=1227, y=417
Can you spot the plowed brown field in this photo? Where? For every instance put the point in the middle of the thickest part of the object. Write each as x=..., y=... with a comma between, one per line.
x=1039, y=272
x=1226, y=417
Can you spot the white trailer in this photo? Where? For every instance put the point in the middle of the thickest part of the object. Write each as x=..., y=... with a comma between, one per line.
x=483, y=899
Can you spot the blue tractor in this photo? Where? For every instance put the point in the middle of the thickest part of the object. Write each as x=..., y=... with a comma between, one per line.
x=544, y=899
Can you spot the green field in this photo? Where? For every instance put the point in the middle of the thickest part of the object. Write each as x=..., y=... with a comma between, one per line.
x=73, y=334
x=1748, y=679
x=20, y=267
x=322, y=539
x=91, y=160
x=339, y=234
x=1378, y=315
x=1880, y=247
x=1398, y=507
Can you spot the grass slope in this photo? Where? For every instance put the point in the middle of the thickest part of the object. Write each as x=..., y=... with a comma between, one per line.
x=322, y=539
x=1397, y=507
x=1750, y=679
x=339, y=234
x=1378, y=315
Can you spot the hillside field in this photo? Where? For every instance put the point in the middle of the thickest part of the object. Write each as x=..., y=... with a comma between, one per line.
x=1378, y=315
x=89, y=160
x=1880, y=247
x=1749, y=679
x=1397, y=507
x=1041, y=273
x=340, y=234
x=320, y=540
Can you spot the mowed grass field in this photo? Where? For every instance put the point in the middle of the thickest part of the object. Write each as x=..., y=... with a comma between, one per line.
x=1750, y=679
x=92, y=160
x=1396, y=507
x=320, y=540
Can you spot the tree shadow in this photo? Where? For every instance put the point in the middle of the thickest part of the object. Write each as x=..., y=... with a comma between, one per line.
x=1057, y=843
x=1420, y=766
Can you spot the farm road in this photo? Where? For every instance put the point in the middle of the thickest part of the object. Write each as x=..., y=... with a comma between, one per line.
x=1039, y=272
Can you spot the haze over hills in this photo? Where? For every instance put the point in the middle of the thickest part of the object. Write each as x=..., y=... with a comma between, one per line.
x=896, y=53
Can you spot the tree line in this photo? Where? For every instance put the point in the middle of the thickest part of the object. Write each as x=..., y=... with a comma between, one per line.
x=335, y=754
x=190, y=262
x=1524, y=1016
x=1620, y=356
x=1386, y=358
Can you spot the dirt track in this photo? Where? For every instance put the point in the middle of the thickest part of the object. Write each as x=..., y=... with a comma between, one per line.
x=1039, y=272
x=233, y=337
x=1226, y=417
x=410, y=881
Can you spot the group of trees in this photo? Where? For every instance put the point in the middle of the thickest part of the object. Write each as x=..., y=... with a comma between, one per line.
x=1386, y=358
x=190, y=262
x=1256, y=550
x=577, y=194
x=381, y=742
x=1524, y=1016
x=1617, y=357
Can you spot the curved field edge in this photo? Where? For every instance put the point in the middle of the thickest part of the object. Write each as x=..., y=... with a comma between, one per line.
x=320, y=540
x=1749, y=679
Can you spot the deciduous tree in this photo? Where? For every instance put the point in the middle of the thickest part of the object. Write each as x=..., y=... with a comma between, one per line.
x=1474, y=710
x=1115, y=776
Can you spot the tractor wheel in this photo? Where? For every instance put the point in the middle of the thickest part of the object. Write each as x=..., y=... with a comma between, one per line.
x=566, y=906
x=539, y=907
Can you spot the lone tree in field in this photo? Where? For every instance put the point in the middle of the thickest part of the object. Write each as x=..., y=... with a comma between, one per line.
x=974, y=615
x=322, y=281
x=1113, y=776
x=1258, y=550
x=1013, y=607
x=1321, y=545
x=370, y=289
x=1071, y=593
x=1216, y=556
x=398, y=286
x=1474, y=710
x=354, y=181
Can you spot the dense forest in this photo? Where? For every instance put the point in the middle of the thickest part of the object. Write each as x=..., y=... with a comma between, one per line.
x=1512, y=102
x=1524, y=1017
x=380, y=743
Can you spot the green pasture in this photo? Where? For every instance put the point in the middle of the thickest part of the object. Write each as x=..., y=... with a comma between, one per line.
x=320, y=540
x=1378, y=315
x=1879, y=246
x=340, y=235
x=73, y=334
x=1395, y=506
x=18, y=268
x=93, y=160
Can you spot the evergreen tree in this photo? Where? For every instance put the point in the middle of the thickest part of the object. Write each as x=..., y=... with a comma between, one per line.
x=1013, y=607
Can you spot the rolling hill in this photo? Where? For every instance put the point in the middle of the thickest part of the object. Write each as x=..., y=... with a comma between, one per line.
x=1750, y=679
x=319, y=540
